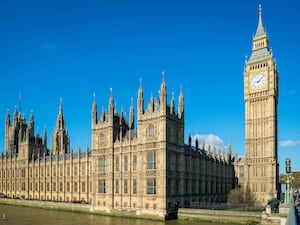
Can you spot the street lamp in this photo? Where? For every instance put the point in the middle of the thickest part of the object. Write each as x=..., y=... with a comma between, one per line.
x=288, y=199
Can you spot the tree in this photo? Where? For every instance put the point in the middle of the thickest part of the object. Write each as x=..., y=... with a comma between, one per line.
x=240, y=196
x=236, y=196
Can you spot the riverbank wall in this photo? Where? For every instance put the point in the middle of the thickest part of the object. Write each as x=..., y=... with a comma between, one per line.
x=220, y=216
x=214, y=216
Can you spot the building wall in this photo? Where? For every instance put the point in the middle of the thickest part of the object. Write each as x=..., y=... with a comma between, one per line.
x=147, y=169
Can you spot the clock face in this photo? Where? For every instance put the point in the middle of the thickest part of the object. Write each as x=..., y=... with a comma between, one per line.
x=258, y=81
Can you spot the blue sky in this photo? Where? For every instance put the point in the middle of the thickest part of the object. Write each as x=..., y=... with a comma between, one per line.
x=72, y=49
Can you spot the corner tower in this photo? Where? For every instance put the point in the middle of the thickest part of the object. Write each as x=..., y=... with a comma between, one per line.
x=261, y=102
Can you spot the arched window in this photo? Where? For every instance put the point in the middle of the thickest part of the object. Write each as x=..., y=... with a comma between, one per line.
x=151, y=131
x=102, y=139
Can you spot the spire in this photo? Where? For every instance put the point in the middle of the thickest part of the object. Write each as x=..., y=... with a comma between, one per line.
x=172, y=107
x=163, y=84
x=111, y=105
x=140, y=99
x=7, y=117
x=60, y=123
x=131, y=122
x=60, y=107
x=163, y=94
x=260, y=31
x=94, y=111
x=180, y=103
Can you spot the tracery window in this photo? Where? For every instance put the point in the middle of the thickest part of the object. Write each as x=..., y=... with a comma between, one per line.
x=151, y=161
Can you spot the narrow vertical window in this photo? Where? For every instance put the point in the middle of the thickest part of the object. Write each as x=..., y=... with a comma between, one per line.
x=151, y=186
x=117, y=187
x=151, y=161
x=101, y=165
x=117, y=163
x=125, y=163
x=125, y=186
x=134, y=186
x=134, y=163
x=151, y=131
x=101, y=186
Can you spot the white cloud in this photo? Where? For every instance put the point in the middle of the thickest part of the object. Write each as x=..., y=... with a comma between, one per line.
x=211, y=139
x=289, y=143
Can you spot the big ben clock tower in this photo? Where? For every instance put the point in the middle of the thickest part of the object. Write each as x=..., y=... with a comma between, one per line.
x=261, y=101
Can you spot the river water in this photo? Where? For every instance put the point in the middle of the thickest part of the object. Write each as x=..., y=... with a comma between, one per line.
x=18, y=215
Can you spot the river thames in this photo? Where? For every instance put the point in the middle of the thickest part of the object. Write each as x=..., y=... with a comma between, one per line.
x=18, y=215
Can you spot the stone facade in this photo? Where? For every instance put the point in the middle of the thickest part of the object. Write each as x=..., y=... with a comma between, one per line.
x=147, y=170
x=259, y=169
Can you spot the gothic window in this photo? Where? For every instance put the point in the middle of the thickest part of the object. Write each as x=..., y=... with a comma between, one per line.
x=117, y=163
x=151, y=161
x=60, y=186
x=151, y=186
x=101, y=186
x=68, y=170
x=68, y=186
x=54, y=186
x=241, y=171
x=83, y=170
x=75, y=170
x=102, y=165
x=61, y=171
x=102, y=139
x=75, y=187
x=134, y=164
x=151, y=131
x=125, y=186
x=83, y=186
x=125, y=163
x=134, y=186
x=117, y=187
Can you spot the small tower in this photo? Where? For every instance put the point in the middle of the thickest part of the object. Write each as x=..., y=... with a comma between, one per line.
x=94, y=112
x=31, y=124
x=163, y=94
x=180, y=104
x=131, y=116
x=111, y=107
x=140, y=100
x=60, y=139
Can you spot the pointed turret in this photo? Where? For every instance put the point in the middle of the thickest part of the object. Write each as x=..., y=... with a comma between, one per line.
x=131, y=116
x=180, y=104
x=31, y=124
x=172, y=106
x=260, y=31
x=60, y=139
x=163, y=94
x=45, y=137
x=60, y=123
x=140, y=99
x=111, y=106
x=94, y=111
x=7, y=118
x=260, y=43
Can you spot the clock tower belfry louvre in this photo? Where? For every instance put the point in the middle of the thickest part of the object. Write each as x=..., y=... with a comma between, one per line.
x=261, y=103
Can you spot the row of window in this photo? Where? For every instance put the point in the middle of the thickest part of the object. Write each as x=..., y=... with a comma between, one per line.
x=10, y=173
x=258, y=66
x=151, y=186
x=36, y=187
x=151, y=163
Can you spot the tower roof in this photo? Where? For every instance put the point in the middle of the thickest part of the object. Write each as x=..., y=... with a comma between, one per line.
x=260, y=31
